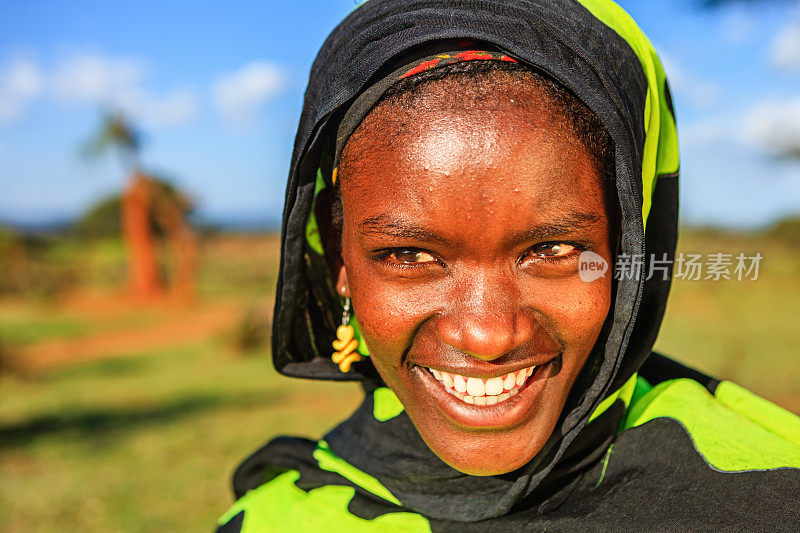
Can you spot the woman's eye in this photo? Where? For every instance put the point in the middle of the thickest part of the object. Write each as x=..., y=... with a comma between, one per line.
x=552, y=250
x=410, y=257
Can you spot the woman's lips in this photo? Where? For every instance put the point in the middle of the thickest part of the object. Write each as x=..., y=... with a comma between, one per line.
x=468, y=403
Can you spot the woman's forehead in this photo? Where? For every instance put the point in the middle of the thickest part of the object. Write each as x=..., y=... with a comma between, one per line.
x=488, y=145
x=485, y=170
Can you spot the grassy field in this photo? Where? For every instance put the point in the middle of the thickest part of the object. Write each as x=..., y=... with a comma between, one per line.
x=143, y=439
x=746, y=331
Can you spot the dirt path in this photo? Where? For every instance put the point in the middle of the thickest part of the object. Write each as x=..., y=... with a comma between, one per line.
x=167, y=326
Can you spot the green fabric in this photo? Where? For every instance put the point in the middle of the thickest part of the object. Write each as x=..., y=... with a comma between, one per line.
x=362, y=344
x=605, y=465
x=661, y=144
x=333, y=463
x=760, y=411
x=312, y=229
x=624, y=393
x=733, y=431
x=385, y=404
x=642, y=388
x=280, y=506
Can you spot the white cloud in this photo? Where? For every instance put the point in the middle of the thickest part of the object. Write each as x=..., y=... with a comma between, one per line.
x=784, y=52
x=700, y=92
x=20, y=82
x=119, y=83
x=92, y=78
x=773, y=125
x=239, y=95
x=708, y=131
x=171, y=109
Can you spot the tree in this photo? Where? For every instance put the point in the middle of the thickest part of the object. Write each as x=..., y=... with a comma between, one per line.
x=145, y=198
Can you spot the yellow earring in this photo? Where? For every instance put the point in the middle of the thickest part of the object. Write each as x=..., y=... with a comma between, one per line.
x=345, y=345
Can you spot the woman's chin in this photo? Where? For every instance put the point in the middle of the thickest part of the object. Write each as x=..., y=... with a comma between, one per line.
x=472, y=468
x=492, y=460
x=485, y=453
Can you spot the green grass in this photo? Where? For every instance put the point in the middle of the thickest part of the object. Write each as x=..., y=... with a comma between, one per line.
x=25, y=331
x=148, y=442
x=746, y=331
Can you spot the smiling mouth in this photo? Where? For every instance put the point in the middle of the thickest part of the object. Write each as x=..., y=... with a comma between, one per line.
x=478, y=391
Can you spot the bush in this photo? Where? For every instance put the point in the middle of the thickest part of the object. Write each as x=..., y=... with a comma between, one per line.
x=786, y=230
x=102, y=220
x=255, y=328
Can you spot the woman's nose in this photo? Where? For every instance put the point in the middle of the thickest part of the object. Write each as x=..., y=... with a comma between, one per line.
x=487, y=321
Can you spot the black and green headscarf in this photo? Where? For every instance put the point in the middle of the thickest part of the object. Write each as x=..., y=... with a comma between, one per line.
x=595, y=50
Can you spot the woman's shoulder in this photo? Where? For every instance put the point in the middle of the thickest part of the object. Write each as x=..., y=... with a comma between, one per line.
x=701, y=453
x=729, y=426
x=301, y=485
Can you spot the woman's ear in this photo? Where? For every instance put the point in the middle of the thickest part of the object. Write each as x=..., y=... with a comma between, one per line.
x=342, y=285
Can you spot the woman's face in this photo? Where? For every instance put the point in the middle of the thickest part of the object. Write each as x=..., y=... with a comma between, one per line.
x=463, y=226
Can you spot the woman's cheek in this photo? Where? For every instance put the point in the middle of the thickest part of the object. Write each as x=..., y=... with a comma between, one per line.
x=388, y=313
x=575, y=309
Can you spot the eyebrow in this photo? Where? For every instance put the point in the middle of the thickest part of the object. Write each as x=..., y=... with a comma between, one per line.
x=562, y=225
x=386, y=225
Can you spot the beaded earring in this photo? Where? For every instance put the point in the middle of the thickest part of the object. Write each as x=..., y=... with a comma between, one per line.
x=345, y=345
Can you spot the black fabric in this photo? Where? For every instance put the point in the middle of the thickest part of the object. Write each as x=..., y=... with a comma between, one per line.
x=660, y=242
x=645, y=489
x=393, y=452
x=562, y=39
x=234, y=525
x=653, y=479
x=657, y=369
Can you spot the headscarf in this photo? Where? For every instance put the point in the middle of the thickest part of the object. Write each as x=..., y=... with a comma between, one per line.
x=595, y=50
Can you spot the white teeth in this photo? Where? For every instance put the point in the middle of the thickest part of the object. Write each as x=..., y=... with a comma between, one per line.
x=475, y=387
x=477, y=391
x=494, y=386
x=447, y=379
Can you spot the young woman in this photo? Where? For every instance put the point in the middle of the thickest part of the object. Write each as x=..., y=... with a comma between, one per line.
x=468, y=178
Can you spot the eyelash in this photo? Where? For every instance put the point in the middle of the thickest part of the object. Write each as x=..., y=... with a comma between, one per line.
x=383, y=255
x=578, y=248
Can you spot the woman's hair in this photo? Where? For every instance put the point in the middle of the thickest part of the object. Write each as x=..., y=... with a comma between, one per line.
x=484, y=77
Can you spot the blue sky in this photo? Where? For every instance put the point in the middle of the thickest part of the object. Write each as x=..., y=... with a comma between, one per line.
x=217, y=91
